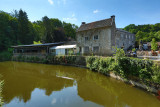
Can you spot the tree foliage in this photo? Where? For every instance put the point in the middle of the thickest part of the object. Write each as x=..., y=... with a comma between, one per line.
x=16, y=29
x=145, y=32
x=154, y=45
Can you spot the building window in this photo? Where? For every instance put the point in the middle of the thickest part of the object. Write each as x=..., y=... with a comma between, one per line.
x=129, y=42
x=53, y=52
x=122, y=36
x=86, y=49
x=95, y=37
x=96, y=49
x=86, y=38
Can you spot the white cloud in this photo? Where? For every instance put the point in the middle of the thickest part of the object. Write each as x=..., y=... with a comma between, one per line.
x=73, y=15
x=61, y=1
x=96, y=11
x=51, y=2
x=53, y=101
x=70, y=19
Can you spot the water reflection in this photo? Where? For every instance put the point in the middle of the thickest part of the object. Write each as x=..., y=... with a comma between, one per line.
x=69, y=86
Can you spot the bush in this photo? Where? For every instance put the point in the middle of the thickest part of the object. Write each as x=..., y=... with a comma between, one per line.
x=106, y=65
x=90, y=60
x=154, y=45
x=5, y=56
x=125, y=67
x=156, y=73
x=119, y=53
x=135, y=67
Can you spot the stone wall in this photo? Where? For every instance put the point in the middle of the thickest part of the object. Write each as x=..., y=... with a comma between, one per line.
x=103, y=42
x=124, y=39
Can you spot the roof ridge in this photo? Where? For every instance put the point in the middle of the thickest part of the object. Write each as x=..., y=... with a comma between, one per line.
x=96, y=24
x=97, y=21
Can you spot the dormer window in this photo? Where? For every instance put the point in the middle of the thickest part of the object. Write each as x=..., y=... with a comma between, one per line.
x=95, y=37
x=86, y=38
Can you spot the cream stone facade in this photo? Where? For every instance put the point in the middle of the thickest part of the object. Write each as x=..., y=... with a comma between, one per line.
x=99, y=37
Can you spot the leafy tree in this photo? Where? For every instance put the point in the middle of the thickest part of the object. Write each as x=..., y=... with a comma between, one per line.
x=70, y=29
x=16, y=29
x=49, y=35
x=154, y=45
x=5, y=31
x=56, y=23
x=144, y=32
x=25, y=27
x=118, y=53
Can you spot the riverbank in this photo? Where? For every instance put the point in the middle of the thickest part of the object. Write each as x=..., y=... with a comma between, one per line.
x=137, y=72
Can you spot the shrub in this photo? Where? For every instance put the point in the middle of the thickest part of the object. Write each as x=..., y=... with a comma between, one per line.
x=95, y=65
x=90, y=60
x=156, y=73
x=135, y=67
x=105, y=65
x=119, y=52
x=5, y=56
x=154, y=45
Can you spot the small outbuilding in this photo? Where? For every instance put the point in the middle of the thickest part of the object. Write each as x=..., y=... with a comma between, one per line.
x=39, y=50
x=63, y=50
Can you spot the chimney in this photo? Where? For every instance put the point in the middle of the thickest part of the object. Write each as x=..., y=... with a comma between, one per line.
x=83, y=23
x=113, y=18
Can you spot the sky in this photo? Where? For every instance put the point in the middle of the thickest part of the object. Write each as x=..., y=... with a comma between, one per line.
x=76, y=11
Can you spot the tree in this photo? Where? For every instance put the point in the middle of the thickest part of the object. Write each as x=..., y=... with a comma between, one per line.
x=49, y=30
x=144, y=32
x=154, y=45
x=39, y=31
x=5, y=31
x=70, y=29
x=16, y=29
x=56, y=23
x=24, y=28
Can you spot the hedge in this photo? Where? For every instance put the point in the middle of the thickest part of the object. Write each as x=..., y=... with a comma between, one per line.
x=125, y=67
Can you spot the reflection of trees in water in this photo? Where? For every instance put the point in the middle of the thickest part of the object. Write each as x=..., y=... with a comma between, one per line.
x=21, y=81
x=22, y=78
x=110, y=92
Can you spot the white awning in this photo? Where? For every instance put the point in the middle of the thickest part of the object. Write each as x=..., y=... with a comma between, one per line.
x=64, y=47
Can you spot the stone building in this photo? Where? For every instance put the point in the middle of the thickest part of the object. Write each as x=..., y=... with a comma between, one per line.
x=99, y=37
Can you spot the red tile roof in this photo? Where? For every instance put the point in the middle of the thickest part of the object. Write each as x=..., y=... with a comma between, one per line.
x=94, y=25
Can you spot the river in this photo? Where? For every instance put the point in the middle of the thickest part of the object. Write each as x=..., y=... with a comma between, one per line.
x=41, y=85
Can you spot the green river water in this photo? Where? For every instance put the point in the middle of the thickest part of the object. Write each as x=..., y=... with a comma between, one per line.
x=40, y=85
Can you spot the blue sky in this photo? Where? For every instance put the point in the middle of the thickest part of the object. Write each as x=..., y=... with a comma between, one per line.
x=76, y=11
